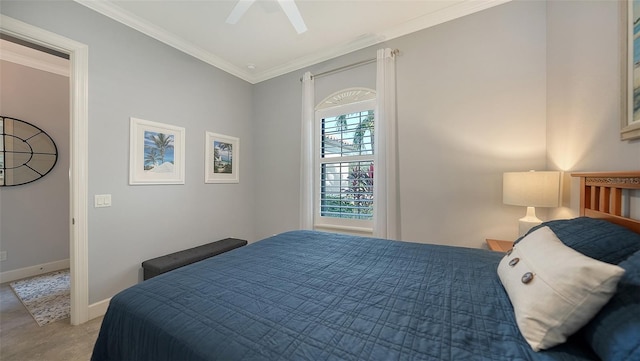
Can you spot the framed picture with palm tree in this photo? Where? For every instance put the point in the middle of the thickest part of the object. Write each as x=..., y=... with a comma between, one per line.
x=156, y=153
x=222, y=161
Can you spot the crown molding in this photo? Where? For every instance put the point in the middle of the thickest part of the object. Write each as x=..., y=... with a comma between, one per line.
x=452, y=12
x=329, y=54
x=441, y=16
x=118, y=14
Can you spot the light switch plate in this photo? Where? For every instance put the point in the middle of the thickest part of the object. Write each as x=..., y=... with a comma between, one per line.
x=102, y=200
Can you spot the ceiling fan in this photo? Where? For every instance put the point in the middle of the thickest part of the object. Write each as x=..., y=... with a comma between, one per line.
x=288, y=6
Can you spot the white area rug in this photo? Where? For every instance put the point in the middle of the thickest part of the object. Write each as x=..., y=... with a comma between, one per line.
x=47, y=297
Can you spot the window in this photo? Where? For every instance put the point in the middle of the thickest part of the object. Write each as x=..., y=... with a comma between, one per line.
x=344, y=165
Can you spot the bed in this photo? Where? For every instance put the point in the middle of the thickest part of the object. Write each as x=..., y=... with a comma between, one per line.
x=306, y=295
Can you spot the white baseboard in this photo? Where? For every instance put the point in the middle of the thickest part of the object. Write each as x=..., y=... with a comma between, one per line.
x=99, y=308
x=96, y=310
x=20, y=273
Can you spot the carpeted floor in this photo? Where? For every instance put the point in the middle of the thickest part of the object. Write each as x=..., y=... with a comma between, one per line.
x=46, y=297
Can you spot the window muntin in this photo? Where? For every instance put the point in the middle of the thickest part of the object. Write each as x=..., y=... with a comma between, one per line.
x=346, y=190
x=348, y=134
x=345, y=166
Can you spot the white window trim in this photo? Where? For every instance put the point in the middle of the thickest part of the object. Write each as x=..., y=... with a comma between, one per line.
x=357, y=226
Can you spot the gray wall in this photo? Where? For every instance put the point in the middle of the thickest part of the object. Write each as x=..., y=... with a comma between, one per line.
x=471, y=105
x=131, y=74
x=34, y=217
x=585, y=59
x=525, y=85
x=584, y=91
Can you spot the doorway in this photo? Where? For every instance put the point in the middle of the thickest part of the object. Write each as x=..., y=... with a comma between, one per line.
x=78, y=167
x=34, y=231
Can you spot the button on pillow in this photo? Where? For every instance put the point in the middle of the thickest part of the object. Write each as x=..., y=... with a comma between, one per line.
x=554, y=289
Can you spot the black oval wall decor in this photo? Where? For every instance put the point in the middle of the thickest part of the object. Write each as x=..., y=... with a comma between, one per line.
x=27, y=153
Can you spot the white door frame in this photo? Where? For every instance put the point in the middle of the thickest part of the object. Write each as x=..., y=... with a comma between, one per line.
x=78, y=176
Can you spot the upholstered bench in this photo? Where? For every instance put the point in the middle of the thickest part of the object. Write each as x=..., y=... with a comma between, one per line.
x=159, y=265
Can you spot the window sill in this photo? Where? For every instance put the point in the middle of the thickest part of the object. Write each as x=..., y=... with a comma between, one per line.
x=345, y=229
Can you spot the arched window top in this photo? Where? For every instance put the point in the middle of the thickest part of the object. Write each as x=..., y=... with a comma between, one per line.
x=346, y=96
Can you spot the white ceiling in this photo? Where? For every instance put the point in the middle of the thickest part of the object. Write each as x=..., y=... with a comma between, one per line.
x=265, y=39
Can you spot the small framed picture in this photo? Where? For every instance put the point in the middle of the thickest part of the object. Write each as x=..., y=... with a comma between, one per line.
x=156, y=153
x=222, y=160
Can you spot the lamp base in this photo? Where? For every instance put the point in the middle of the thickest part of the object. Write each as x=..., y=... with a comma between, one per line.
x=528, y=221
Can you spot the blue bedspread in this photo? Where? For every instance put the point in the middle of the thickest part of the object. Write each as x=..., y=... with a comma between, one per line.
x=307, y=295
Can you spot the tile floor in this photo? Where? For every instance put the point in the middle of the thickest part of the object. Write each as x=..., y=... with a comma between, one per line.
x=21, y=339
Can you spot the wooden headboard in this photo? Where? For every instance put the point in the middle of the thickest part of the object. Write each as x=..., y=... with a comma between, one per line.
x=601, y=196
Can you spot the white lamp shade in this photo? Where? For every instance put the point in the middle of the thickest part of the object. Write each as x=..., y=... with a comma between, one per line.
x=531, y=189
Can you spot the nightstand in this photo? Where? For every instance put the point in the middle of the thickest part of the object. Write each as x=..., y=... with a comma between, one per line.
x=498, y=245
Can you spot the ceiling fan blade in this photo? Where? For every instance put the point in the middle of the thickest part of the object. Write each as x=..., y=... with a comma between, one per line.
x=291, y=10
x=241, y=7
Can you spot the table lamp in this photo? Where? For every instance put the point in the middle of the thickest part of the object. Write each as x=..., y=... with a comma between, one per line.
x=531, y=189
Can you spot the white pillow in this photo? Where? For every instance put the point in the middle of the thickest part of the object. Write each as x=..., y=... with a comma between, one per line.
x=564, y=291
